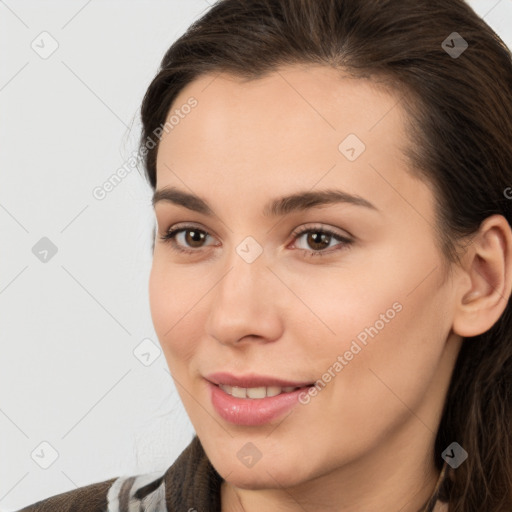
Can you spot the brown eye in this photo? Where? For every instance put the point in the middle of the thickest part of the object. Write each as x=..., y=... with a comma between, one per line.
x=317, y=241
x=188, y=239
x=194, y=237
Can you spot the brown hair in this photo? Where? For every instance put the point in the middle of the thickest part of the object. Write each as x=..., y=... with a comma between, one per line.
x=460, y=113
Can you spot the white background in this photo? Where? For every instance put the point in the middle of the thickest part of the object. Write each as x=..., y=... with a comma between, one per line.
x=68, y=374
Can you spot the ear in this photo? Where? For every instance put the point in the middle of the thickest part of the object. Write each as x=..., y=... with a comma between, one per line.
x=486, y=280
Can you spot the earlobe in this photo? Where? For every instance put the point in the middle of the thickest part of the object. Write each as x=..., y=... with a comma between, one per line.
x=488, y=265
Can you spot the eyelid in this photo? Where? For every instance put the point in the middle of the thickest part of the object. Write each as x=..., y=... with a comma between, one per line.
x=343, y=234
x=183, y=226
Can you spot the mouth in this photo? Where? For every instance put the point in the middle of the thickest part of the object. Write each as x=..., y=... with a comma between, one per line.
x=254, y=406
x=253, y=382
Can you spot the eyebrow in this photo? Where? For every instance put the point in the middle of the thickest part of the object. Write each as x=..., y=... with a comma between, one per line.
x=281, y=206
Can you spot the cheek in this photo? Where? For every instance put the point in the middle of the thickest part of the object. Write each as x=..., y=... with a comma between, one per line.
x=383, y=319
x=356, y=302
x=397, y=360
x=173, y=304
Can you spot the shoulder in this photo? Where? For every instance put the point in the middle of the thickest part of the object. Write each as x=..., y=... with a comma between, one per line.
x=91, y=497
x=113, y=495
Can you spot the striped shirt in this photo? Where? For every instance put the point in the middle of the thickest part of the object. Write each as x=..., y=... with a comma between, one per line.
x=191, y=484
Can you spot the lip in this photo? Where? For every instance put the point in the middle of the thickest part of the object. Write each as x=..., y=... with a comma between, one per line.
x=253, y=381
x=249, y=411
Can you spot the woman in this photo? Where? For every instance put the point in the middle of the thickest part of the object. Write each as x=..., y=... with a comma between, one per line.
x=378, y=375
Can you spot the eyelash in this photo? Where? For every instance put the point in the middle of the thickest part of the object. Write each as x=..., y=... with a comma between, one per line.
x=170, y=236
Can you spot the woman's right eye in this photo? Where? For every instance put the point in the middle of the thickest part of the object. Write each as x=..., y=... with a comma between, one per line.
x=187, y=235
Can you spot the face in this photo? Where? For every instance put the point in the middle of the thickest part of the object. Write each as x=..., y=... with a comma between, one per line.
x=346, y=294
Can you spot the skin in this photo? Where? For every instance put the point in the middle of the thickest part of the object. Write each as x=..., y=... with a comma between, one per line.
x=365, y=441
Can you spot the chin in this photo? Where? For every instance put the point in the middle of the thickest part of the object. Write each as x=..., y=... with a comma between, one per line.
x=255, y=482
x=261, y=476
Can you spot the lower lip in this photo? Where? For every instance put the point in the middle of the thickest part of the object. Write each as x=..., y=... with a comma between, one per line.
x=252, y=411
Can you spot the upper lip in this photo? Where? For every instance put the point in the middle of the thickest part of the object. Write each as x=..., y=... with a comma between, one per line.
x=252, y=380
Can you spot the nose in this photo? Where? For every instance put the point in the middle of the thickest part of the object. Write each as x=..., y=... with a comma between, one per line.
x=246, y=303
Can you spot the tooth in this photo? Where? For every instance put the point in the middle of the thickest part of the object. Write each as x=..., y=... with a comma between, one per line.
x=273, y=390
x=257, y=392
x=239, y=392
x=225, y=388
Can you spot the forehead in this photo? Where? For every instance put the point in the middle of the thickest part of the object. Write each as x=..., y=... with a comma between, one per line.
x=317, y=99
x=296, y=126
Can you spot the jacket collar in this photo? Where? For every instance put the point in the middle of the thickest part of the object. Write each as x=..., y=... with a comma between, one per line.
x=192, y=482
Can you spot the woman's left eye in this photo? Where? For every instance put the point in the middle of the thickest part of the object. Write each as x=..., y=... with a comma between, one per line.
x=320, y=239
x=189, y=239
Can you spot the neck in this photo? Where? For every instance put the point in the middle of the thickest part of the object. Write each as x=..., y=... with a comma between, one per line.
x=368, y=485
x=234, y=499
